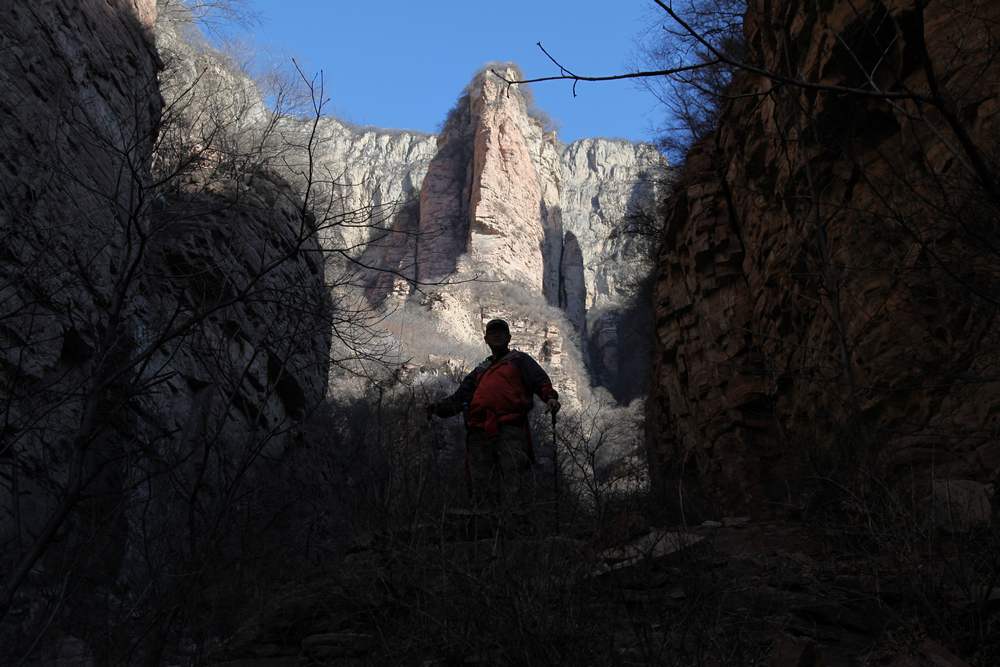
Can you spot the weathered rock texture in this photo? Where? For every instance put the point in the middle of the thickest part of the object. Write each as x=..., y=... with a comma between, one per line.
x=489, y=214
x=362, y=180
x=607, y=187
x=513, y=221
x=826, y=295
x=495, y=199
x=481, y=203
x=79, y=109
x=375, y=177
x=503, y=202
x=603, y=183
x=165, y=329
x=80, y=106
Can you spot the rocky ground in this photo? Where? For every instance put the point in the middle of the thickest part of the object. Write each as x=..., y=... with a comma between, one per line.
x=732, y=592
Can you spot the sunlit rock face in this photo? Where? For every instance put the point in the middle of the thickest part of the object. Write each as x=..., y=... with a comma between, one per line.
x=823, y=299
x=549, y=216
x=375, y=175
x=605, y=199
x=492, y=217
x=505, y=223
x=481, y=203
x=495, y=200
x=504, y=204
x=605, y=183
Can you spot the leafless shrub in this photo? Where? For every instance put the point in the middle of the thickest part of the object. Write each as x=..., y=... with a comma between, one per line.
x=693, y=98
x=184, y=300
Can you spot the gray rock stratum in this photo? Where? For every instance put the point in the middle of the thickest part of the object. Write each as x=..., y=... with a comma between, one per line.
x=509, y=219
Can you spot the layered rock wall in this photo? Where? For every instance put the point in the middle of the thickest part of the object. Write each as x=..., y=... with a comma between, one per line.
x=504, y=202
x=826, y=289
x=505, y=227
x=606, y=187
x=520, y=208
x=375, y=179
x=606, y=199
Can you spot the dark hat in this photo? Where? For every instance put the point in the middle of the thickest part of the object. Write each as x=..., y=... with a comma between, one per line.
x=497, y=325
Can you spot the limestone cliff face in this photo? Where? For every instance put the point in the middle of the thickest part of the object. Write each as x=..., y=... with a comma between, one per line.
x=533, y=209
x=604, y=182
x=364, y=179
x=504, y=203
x=824, y=299
x=374, y=171
x=606, y=201
x=481, y=203
x=495, y=197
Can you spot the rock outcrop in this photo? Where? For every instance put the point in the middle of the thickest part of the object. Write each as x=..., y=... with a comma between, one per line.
x=80, y=107
x=606, y=202
x=165, y=326
x=827, y=286
x=508, y=220
x=606, y=186
x=494, y=198
x=375, y=177
x=503, y=202
x=488, y=219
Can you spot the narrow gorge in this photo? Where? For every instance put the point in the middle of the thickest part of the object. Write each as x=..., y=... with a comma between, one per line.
x=224, y=312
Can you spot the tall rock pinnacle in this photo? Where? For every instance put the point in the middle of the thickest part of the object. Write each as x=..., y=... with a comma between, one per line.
x=509, y=222
x=480, y=201
x=506, y=226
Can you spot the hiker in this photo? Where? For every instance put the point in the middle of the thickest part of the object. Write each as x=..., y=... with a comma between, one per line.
x=496, y=398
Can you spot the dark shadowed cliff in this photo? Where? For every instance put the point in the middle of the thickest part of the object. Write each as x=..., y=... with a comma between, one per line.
x=828, y=287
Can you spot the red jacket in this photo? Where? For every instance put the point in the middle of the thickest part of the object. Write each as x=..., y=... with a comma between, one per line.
x=499, y=392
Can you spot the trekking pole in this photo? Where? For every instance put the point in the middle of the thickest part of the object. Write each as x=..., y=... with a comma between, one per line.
x=555, y=468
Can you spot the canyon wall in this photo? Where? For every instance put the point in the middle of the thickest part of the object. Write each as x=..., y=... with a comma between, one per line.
x=80, y=107
x=826, y=291
x=494, y=216
x=511, y=221
x=165, y=328
x=495, y=200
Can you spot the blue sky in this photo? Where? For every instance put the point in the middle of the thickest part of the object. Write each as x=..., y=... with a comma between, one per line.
x=400, y=64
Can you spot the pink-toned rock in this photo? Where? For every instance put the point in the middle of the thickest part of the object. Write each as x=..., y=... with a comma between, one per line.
x=480, y=200
x=145, y=10
x=505, y=219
